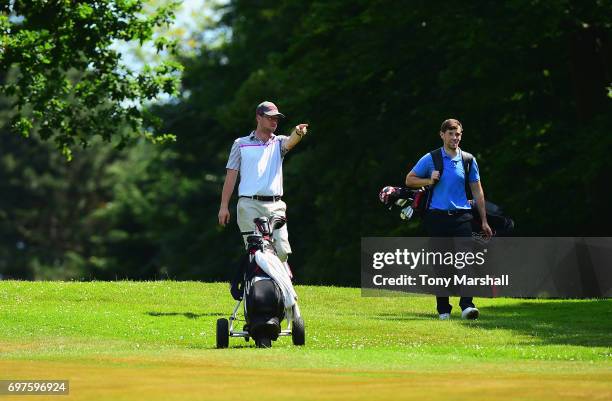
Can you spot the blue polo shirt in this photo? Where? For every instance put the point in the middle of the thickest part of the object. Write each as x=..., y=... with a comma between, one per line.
x=449, y=192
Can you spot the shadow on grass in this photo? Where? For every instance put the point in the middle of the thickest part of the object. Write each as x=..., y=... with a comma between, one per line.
x=232, y=345
x=407, y=317
x=188, y=315
x=585, y=322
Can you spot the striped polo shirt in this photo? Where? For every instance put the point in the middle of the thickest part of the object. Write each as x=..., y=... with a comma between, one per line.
x=260, y=164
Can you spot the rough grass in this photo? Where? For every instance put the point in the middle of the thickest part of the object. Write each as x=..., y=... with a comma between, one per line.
x=155, y=340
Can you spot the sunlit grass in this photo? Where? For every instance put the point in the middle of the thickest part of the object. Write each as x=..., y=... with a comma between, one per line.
x=171, y=325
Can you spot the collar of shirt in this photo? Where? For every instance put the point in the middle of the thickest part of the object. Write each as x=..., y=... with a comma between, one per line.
x=456, y=158
x=254, y=137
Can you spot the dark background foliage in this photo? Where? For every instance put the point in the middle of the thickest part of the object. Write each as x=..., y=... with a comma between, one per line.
x=529, y=80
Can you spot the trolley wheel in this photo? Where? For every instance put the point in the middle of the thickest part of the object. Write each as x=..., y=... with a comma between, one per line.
x=246, y=328
x=222, y=333
x=298, y=332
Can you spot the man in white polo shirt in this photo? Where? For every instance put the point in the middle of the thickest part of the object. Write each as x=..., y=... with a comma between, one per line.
x=259, y=159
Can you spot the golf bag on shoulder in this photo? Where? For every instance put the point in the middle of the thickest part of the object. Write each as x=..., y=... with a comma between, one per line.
x=413, y=202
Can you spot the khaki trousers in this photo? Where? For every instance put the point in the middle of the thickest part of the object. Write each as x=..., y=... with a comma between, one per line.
x=248, y=209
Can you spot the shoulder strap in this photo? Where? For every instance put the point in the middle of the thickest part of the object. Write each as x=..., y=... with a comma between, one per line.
x=467, y=159
x=436, y=155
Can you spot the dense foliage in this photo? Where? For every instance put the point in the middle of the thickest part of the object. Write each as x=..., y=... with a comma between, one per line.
x=529, y=80
x=70, y=84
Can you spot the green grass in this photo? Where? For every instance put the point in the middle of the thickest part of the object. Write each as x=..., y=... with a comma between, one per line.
x=142, y=333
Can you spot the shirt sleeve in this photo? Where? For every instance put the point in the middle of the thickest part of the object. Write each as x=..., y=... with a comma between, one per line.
x=474, y=172
x=233, y=162
x=424, y=167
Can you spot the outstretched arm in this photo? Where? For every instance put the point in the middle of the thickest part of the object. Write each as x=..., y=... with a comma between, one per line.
x=296, y=136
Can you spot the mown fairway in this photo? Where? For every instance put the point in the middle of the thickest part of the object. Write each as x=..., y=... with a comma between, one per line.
x=155, y=341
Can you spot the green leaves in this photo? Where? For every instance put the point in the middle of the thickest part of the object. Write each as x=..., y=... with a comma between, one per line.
x=23, y=126
x=70, y=84
x=84, y=11
x=373, y=78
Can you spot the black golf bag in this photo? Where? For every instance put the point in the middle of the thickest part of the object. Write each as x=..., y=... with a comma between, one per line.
x=500, y=223
x=263, y=301
x=414, y=202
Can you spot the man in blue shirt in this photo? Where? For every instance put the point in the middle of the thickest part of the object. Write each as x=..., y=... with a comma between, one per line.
x=450, y=211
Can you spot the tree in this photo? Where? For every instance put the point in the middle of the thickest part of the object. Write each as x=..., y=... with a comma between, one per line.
x=529, y=80
x=47, y=210
x=64, y=79
x=375, y=79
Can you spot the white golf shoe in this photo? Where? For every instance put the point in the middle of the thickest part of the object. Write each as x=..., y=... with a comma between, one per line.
x=444, y=316
x=470, y=313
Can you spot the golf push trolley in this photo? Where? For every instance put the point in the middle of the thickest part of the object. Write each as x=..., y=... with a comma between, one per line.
x=263, y=286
